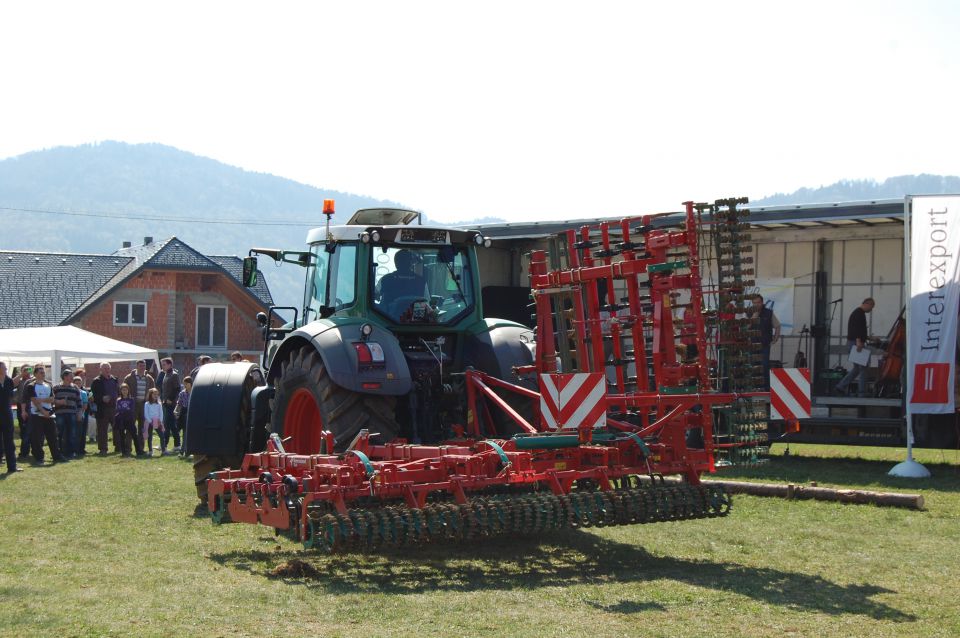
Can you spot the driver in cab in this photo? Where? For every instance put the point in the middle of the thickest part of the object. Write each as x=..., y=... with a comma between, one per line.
x=405, y=284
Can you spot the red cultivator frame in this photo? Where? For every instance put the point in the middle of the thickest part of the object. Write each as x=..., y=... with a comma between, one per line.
x=625, y=397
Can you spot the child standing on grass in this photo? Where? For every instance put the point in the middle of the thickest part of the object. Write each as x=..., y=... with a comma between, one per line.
x=126, y=422
x=153, y=420
x=180, y=411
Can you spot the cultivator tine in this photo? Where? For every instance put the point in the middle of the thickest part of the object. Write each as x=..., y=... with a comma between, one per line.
x=520, y=515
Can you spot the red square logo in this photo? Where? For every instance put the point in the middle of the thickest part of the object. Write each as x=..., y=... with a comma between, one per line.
x=930, y=383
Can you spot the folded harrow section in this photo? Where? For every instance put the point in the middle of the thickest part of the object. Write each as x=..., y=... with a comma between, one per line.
x=401, y=494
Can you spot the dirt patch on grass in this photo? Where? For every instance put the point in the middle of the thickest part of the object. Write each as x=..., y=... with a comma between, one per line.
x=295, y=568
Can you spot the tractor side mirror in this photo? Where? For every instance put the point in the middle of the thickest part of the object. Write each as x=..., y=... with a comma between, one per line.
x=249, y=272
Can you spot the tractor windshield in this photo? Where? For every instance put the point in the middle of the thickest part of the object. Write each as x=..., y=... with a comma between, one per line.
x=422, y=284
x=330, y=279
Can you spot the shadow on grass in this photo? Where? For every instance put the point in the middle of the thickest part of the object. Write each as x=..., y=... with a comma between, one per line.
x=845, y=471
x=628, y=607
x=568, y=558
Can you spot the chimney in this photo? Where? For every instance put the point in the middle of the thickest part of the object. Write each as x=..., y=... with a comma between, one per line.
x=127, y=244
x=147, y=241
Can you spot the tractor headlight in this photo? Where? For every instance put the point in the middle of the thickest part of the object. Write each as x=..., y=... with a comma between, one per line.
x=366, y=330
x=370, y=236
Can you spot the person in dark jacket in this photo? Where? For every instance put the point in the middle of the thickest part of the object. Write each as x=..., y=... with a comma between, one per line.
x=169, y=391
x=857, y=338
x=140, y=383
x=23, y=411
x=7, y=391
x=105, y=389
x=125, y=422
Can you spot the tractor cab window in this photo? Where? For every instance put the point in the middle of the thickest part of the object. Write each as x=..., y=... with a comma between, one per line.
x=422, y=284
x=331, y=279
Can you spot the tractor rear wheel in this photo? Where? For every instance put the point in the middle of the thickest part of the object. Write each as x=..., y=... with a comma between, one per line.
x=307, y=401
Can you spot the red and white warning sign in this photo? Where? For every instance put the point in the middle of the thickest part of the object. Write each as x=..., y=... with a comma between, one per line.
x=572, y=400
x=789, y=393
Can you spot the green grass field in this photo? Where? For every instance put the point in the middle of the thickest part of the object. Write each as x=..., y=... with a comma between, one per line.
x=109, y=546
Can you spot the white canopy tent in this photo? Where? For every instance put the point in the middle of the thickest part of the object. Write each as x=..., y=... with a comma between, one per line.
x=67, y=344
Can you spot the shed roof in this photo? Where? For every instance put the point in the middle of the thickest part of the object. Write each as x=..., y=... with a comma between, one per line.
x=866, y=213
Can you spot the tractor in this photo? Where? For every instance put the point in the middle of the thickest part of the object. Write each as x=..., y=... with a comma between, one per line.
x=391, y=318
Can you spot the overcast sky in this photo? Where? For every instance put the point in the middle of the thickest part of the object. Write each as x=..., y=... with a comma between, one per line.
x=521, y=110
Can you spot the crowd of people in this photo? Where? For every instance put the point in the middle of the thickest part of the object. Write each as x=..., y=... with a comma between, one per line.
x=67, y=415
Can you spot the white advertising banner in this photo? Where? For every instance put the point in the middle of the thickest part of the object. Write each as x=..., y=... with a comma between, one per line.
x=934, y=290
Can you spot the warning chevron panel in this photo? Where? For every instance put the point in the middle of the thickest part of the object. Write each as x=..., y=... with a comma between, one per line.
x=572, y=400
x=790, y=393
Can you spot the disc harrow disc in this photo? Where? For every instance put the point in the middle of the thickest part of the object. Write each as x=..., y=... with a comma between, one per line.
x=520, y=514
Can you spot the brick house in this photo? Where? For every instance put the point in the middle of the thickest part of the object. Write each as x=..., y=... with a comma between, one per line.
x=163, y=295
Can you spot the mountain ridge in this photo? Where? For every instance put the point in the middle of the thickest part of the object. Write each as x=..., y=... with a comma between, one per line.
x=851, y=190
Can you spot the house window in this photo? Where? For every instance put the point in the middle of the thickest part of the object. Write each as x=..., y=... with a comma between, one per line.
x=127, y=313
x=211, y=326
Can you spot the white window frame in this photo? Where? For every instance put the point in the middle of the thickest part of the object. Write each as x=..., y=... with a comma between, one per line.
x=131, y=304
x=226, y=326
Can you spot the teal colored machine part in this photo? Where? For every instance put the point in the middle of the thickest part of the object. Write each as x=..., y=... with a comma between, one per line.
x=546, y=442
x=667, y=267
x=500, y=452
x=687, y=389
x=367, y=465
x=643, y=446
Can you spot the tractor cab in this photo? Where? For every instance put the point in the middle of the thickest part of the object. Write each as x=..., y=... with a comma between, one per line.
x=393, y=273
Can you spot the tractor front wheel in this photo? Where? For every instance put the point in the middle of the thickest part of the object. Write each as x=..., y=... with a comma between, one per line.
x=307, y=401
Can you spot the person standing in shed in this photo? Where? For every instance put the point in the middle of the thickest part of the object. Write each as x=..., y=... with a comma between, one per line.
x=769, y=327
x=857, y=338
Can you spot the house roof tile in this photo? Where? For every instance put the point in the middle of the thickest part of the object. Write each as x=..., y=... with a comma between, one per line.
x=44, y=289
x=48, y=289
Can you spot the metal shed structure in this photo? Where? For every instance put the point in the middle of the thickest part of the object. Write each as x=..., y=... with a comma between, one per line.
x=835, y=254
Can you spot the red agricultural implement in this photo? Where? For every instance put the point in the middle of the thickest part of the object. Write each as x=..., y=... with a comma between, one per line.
x=622, y=390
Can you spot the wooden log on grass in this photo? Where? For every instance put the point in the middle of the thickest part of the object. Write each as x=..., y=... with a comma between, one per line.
x=791, y=491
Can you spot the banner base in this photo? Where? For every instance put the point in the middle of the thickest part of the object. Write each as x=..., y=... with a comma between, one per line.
x=909, y=469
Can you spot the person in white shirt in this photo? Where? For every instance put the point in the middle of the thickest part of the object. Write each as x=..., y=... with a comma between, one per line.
x=153, y=420
x=39, y=394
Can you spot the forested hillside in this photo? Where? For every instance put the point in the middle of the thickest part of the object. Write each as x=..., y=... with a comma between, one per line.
x=114, y=192
x=860, y=190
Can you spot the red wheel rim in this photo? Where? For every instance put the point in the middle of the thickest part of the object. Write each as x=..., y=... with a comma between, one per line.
x=302, y=422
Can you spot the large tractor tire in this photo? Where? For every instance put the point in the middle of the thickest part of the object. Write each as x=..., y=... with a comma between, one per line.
x=218, y=424
x=306, y=401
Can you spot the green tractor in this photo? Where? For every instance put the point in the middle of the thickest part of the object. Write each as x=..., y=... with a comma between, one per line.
x=391, y=318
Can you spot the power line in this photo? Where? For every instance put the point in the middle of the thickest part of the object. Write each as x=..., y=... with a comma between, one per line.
x=161, y=218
